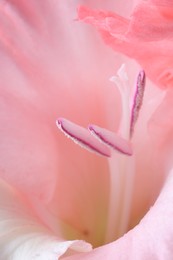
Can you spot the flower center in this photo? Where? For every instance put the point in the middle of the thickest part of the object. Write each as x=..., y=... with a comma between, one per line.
x=121, y=162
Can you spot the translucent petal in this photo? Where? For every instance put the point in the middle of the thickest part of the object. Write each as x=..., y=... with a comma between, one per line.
x=23, y=236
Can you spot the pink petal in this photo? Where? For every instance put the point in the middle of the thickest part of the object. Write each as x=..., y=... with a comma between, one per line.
x=23, y=236
x=104, y=20
x=81, y=137
x=151, y=25
x=111, y=26
x=42, y=68
x=34, y=84
x=160, y=125
x=150, y=239
x=152, y=21
x=111, y=139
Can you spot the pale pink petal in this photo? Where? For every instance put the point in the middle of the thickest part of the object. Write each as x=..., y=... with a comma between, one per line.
x=152, y=21
x=39, y=72
x=42, y=67
x=152, y=238
x=146, y=36
x=160, y=125
x=44, y=75
x=153, y=163
x=111, y=26
x=23, y=236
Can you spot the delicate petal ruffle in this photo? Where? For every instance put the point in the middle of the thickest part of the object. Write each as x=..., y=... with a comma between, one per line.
x=152, y=21
x=23, y=236
x=146, y=36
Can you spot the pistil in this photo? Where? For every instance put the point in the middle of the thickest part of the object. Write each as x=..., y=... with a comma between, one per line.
x=104, y=142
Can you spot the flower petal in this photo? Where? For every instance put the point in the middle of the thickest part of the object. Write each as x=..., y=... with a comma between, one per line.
x=152, y=21
x=41, y=68
x=151, y=24
x=160, y=125
x=151, y=239
x=111, y=26
x=34, y=85
x=22, y=236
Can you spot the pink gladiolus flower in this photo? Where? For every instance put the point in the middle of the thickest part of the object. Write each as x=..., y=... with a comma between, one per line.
x=58, y=200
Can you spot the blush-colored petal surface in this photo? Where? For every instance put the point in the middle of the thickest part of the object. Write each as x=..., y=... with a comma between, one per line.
x=160, y=125
x=111, y=26
x=23, y=236
x=151, y=25
x=42, y=67
x=152, y=21
x=150, y=239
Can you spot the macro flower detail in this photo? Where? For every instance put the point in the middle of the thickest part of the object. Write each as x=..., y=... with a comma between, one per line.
x=81, y=137
x=130, y=114
x=137, y=103
x=58, y=201
x=111, y=141
x=147, y=33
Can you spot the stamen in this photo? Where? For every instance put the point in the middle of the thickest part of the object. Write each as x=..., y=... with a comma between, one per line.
x=82, y=137
x=111, y=139
x=137, y=101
